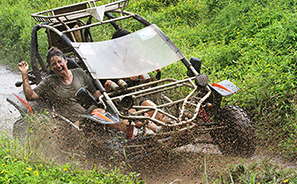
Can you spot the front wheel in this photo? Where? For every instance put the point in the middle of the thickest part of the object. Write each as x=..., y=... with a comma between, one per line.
x=238, y=136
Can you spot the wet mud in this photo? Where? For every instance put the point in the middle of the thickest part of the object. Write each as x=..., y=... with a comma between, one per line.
x=198, y=165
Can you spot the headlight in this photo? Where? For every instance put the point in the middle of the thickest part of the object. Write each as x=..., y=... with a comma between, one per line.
x=201, y=80
x=126, y=103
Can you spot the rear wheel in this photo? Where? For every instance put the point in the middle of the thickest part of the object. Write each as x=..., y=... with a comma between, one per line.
x=238, y=137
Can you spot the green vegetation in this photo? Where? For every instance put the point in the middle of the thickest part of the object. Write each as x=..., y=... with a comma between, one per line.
x=251, y=43
x=21, y=170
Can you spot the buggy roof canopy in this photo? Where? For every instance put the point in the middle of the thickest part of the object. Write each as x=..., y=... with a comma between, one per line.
x=135, y=54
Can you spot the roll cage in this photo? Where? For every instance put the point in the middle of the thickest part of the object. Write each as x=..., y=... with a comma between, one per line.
x=66, y=29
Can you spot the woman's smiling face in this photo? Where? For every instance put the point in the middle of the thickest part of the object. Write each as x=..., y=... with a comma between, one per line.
x=59, y=65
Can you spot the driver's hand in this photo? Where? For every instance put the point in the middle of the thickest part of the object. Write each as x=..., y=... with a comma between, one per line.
x=23, y=66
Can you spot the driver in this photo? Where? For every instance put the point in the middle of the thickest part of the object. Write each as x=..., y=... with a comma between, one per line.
x=59, y=89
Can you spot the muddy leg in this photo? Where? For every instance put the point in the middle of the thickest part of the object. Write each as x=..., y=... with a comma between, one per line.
x=159, y=116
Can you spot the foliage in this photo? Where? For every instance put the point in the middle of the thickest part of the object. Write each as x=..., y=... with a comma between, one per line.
x=14, y=170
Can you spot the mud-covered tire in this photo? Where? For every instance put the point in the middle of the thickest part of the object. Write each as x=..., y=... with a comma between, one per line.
x=238, y=137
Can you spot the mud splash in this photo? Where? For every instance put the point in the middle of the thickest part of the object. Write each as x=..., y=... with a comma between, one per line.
x=194, y=167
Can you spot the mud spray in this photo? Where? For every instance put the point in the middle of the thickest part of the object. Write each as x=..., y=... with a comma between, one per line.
x=186, y=164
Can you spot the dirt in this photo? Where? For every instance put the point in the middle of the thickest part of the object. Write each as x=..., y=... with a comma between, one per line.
x=187, y=164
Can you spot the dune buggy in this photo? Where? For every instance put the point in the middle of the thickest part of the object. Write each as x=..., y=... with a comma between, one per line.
x=184, y=95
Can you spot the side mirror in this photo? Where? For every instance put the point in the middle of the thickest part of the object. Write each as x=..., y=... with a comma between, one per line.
x=196, y=63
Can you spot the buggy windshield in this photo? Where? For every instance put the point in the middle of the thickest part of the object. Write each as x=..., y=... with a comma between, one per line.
x=135, y=54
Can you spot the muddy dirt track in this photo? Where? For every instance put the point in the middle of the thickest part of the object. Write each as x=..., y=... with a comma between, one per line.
x=184, y=165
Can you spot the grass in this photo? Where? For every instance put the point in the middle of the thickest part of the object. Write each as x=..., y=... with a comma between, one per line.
x=23, y=170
